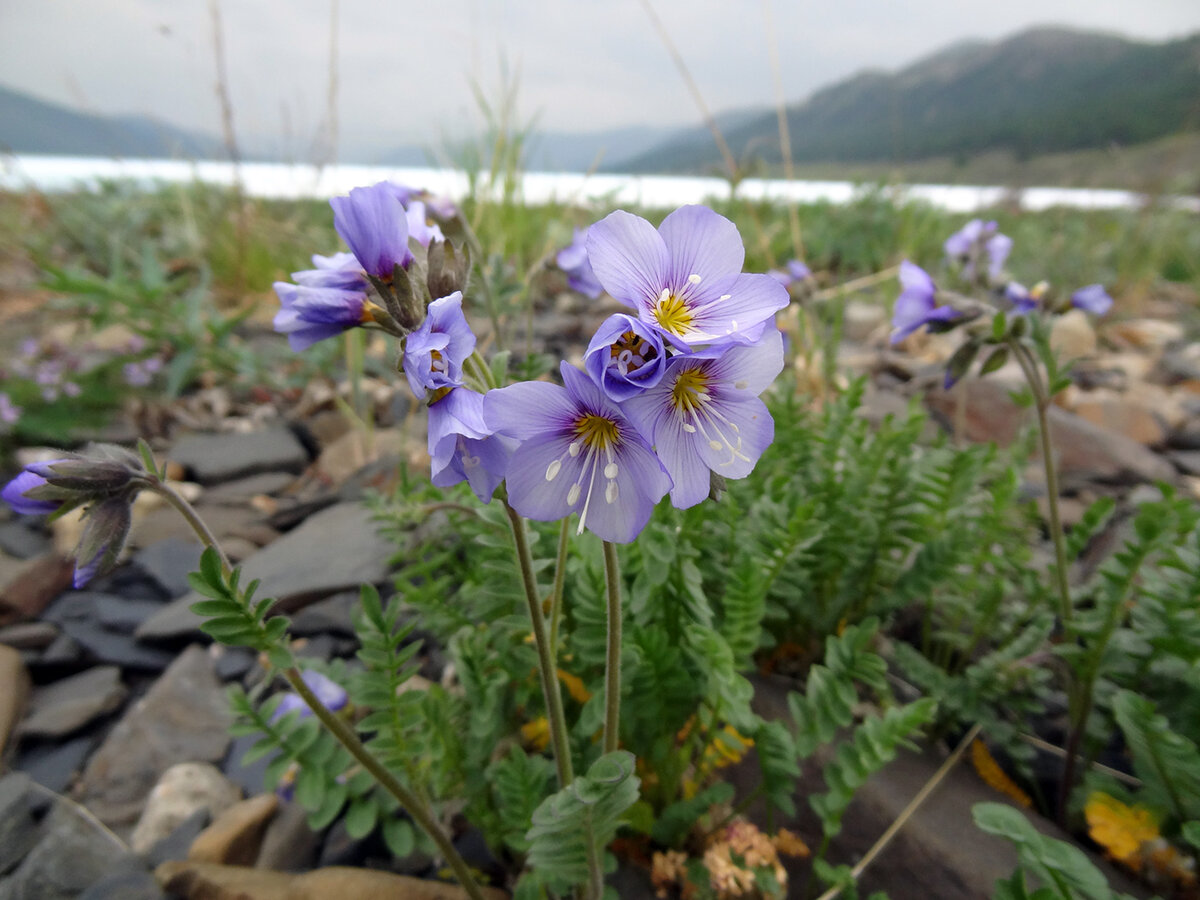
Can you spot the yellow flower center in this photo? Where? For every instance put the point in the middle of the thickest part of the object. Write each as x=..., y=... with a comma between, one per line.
x=597, y=432
x=672, y=314
x=690, y=390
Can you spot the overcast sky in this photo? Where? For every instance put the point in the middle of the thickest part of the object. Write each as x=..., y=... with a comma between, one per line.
x=406, y=66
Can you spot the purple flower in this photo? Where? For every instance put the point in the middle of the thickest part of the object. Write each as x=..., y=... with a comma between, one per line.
x=705, y=415
x=964, y=245
x=463, y=447
x=917, y=303
x=106, y=526
x=1092, y=299
x=135, y=374
x=9, y=411
x=14, y=493
x=795, y=271
x=328, y=691
x=341, y=270
x=69, y=388
x=625, y=357
x=372, y=221
x=420, y=228
x=685, y=278
x=434, y=353
x=1022, y=300
x=578, y=453
x=311, y=314
x=573, y=260
x=29, y=348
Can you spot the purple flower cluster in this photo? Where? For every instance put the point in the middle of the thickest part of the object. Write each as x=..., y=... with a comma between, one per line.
x=978, y=240
x=670, y=393
x=573, y=260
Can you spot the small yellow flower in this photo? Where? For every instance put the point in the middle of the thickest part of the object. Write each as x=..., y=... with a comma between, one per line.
x=1120, y=829
x=789, y=844
x=574, y=686
x=536, y=734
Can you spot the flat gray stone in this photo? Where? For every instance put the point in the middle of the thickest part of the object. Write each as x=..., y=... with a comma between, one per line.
x=77, y=615
x=184, y=717
x=55, y=767
x=29, y=635
x=244, y=488
x=334, y=550
x=67, y=705
x=213, y=458
x=169, y=562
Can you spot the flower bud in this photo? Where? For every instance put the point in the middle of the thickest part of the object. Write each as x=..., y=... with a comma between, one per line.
x=106, y=527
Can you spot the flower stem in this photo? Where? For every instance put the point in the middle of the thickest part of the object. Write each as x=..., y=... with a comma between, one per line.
x=556, y=594
x=193, y=519
x=612, y=660
x=554, y=707
x=348, y=739
x=1042, y=405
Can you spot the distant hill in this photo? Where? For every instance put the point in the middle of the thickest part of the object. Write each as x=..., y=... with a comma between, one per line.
x=1043, y=91
x=29, y=125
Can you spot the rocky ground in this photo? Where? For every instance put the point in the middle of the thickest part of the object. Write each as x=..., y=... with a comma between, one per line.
x=123, y=781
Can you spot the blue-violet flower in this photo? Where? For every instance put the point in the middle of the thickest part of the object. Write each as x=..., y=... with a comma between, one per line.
x=435, y=352
x=573, y=260
x=578, y=453
x=917, y=303
x=463, y=448
x=685, y=278
x=374, y=224
x=705, y=415
x=1093, y=299
x=625, y=357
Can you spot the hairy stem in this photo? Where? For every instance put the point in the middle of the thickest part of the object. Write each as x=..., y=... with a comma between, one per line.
x=193, y=519
x=612, y=659
x=550, y=691
x=408, y=800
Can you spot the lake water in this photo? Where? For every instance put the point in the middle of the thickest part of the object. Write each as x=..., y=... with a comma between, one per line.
x=293, y=181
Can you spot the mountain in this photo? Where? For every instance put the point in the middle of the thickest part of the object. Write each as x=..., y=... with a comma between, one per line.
x=1042, y=91
x=29, y=125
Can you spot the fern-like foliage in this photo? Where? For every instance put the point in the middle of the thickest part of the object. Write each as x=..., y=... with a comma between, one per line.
x=1167, y=763
x=581, y=819
x=231, y=616
x=873, y=745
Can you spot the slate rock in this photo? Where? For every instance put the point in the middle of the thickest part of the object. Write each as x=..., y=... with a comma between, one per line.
x=131, y=881
x=232, y=663
x=214, y=458
x=1186, y=461
x=29, y=635
x=33, y=588
x=177, y=844
x=184, y=717
x=1085, y=451
x=72, y=854
x=76, y=614
x=169, y=562
x=55, y=766
x=63, y=653
x=22, y=541
x=212, y=881
x=22, y=808
x=289, y=845
x=242, y=490
x=71, y=703
x=334, y=550
x=334, y=615
x=250, y=777
x=123, y=615
x=14, y=691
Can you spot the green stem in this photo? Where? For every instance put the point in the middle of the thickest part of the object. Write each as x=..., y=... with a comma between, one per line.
x=560, y=577
x=193, y=519
x=612, y=660
x=348, y=739
x=1042, y=405
x=554, y=708
x=339, y=729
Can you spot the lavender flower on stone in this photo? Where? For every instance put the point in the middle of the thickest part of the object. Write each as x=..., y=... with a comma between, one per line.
x=578, y=453
x=979, y=239
x=328, y=691
x=685, y=278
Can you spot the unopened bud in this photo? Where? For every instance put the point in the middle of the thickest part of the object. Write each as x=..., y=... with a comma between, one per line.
x=106, y=527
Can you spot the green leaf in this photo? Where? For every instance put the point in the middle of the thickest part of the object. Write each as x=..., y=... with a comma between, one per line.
x=399, y=837
x=596, y=801
x=361, y=817
x=996, y=360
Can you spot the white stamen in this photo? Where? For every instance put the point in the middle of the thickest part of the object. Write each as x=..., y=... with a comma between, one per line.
x=741, y=385
x=664, y=296
x=690, y=429
x=725, y=296
x=573, y=448
x=610, y=471
x=716, y=445
x=610, y=492
x=694, y=278
x=552, y=469
x=573, y=494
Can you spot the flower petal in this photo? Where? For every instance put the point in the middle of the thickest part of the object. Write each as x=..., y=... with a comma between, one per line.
x=750, y=301
x=701, y=242
x=629, y=258
x=528, y=408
